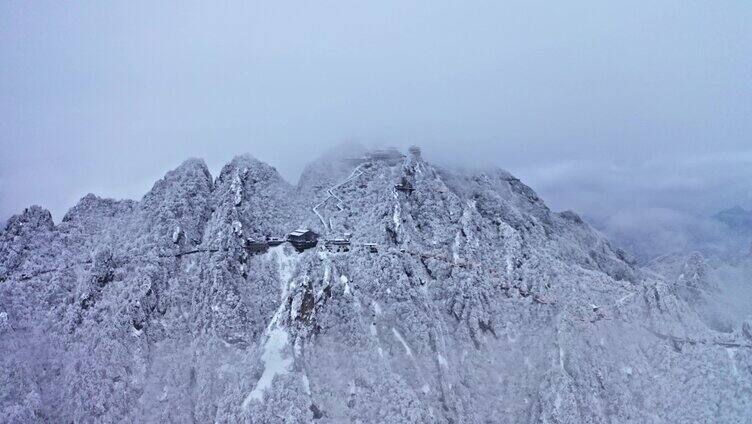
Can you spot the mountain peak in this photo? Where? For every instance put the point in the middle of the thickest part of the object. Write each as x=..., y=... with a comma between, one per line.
x=425, y=289
x=34, y=217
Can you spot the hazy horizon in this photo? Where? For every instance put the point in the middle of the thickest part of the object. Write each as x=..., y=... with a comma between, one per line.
x=626, y=115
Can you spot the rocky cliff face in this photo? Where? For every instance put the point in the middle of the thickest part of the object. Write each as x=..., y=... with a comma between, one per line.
x=478, y=305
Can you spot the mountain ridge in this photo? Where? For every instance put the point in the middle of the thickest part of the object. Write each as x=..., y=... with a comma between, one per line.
x=479, y=304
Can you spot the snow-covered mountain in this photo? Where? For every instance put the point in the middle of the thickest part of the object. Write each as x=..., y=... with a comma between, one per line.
x=461, y=298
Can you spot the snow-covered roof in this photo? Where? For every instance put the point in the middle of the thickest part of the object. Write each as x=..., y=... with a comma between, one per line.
x=300, y=232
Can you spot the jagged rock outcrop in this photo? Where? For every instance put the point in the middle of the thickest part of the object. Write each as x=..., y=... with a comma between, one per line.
x=24, y=235
x=462, y=299
x=178, y=206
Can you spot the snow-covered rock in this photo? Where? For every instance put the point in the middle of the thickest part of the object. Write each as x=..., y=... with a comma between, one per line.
x=479, y=304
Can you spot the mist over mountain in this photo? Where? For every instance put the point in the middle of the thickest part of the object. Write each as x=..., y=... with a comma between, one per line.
x=653, y=232
x=411, y=293
x=737, y=220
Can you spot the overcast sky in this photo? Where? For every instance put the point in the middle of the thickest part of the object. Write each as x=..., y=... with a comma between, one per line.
x=624, y=111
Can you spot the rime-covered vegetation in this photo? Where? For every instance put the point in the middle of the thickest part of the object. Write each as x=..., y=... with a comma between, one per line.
x=479, y=305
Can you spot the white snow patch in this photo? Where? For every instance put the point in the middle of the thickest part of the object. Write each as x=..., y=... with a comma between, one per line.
x=623, y=298
x=343, y=279
x=273, y=356
x=397, y=213
x=306, y=384
x=237, y=228
x=285, y=266
x=456, y=246
x=237, y=187
x=398, y=336
x=191, y=266
x=510, y=267
x=176, y=234
x=732, y=358
x=275, y=363
x=425, y=389
x=327, y=272
x=627, y=370
x=376, y=308
x=375, y=334
x=442, y=360
x=351, y=387
x=297, y=347
x=349, y=292
x=325, y=281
